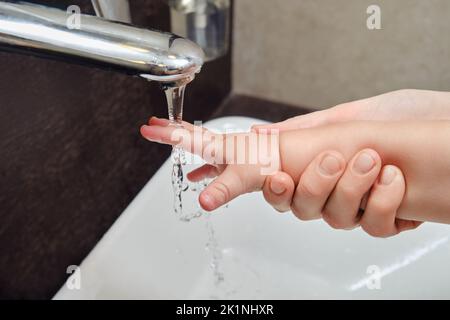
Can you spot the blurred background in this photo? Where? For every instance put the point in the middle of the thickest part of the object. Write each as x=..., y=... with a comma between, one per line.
x=321, y=53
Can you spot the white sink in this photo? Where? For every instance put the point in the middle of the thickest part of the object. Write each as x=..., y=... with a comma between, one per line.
x=149, y=254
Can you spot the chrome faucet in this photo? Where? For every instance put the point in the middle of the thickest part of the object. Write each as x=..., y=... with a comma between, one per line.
x=154, y=55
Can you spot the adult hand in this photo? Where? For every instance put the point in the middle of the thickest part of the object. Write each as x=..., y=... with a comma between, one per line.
x=321, y=196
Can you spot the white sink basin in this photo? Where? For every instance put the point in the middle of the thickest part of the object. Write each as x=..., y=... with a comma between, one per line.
x=149, y=254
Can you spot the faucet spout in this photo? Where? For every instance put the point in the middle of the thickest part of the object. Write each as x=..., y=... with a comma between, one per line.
x=39, y=30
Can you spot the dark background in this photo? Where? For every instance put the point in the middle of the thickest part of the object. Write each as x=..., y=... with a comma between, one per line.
x=71, y=154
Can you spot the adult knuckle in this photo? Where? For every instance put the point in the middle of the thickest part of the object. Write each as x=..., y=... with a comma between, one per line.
x=380, y=207
x=308, y=190
x=332, y=220
x=301, y=214
x=376, y=231
x=348, y=191
x=338, y=221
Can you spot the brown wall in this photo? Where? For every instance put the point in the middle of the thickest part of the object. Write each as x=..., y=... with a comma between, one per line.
x=71, y=156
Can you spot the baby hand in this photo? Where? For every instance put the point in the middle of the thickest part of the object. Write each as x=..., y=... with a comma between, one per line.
x=228, y=157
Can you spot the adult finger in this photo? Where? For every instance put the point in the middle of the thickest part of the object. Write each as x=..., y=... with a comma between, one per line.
x=316, y=184
x=386, y=196
x=342, y=208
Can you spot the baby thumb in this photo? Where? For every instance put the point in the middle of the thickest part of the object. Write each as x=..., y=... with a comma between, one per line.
x=223, y=189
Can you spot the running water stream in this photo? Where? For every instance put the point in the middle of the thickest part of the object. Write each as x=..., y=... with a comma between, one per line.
x=175, y=100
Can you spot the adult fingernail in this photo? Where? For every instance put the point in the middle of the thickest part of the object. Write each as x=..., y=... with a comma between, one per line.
x=330, y=165
x=364, y=163
x=388, y=175
x=277, y=187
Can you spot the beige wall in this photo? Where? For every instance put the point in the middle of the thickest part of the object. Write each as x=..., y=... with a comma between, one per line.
x=318, y=53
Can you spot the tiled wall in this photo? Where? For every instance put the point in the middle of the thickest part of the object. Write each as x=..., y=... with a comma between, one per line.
x=318, y=53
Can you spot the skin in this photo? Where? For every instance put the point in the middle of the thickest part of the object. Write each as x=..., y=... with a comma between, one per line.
x=323, y=195
x=393, y=106
x=411, y=146
x=318, y=192
x=419, y=148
